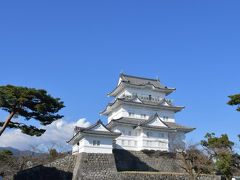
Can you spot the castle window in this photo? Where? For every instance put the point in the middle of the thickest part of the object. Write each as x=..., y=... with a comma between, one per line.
x=129, y=133
x=150, y=97
x=149, y=134
x=131, y=114
x=143, y=115
x=96, y=143
x=165, y=118
x=161, y=135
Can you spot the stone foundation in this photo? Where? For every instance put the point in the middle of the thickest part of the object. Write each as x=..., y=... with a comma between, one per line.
x=121, y=165
x=95, y=166
x=162, y=176
x=60, y=169
x=151, y=161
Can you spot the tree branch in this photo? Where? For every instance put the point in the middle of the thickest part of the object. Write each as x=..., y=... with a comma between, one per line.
x=30, y=130
x=8, y=120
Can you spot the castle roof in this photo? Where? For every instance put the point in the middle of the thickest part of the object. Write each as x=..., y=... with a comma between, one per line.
x=129, y=80
x=97, y=129
x=168, y=126
x=141, y=80
x=163, y=104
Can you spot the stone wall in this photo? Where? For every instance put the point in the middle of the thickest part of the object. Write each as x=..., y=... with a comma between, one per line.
x=90, y=166
x=60, y=169
x=148, y=161
x=65, y=164
x=121, y=165
x=162, y=176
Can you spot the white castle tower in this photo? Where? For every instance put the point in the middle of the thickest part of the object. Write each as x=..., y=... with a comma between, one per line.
x=140, y=117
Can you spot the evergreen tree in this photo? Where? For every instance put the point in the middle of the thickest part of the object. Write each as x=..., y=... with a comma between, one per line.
x=220, y=148
x=235, y=100
x=29, y=103
x=6, y=152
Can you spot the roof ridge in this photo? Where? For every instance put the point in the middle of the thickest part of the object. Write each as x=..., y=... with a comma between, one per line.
x=96, y=124
x=139, y=77
x=152, y=118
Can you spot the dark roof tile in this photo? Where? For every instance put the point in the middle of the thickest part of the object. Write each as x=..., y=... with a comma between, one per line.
x=142, y=122
x=141, y=81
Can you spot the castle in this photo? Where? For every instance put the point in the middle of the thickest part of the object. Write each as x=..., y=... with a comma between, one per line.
x=140, y=117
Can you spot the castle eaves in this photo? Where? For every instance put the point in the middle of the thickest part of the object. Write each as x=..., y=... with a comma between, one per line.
x=142, y=123
x=129, y=80
x=80, y=132
x=148, y=103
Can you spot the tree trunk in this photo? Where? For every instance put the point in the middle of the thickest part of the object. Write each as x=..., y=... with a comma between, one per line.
x=6, y=122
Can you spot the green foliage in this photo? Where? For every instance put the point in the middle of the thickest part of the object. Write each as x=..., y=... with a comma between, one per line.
x=53, y=153
x=6, y=152
x=26, y=129
x=29, y=103
x=235, y=100
x=220, y=148
x=224, y=164
x=221, y=142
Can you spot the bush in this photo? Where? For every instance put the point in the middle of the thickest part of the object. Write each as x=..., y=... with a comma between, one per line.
x=53, y=153
x=6, y=152
x=153, y=153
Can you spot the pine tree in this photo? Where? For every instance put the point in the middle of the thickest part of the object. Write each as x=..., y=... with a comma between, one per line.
x=29, y=103
x=235, y=100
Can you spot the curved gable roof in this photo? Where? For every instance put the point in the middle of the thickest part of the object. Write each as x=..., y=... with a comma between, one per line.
x=140, y=82
x=154, y=118
x=93, y=129
x=144, y=123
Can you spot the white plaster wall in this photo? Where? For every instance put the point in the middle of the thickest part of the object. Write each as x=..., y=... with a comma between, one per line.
x=153, y=134
x=157, y=122
x=126, y=141
x=124, y=110
x=100, y=128
x=148, y=111
x=145, y=92
x=176, y=141
x=125, y=130
x=75, y=149
x=118, y=113
x=138, y=140
x=104, y=147
x=155, y=140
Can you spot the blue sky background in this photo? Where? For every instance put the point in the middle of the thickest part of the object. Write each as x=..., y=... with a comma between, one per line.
x=76, y=50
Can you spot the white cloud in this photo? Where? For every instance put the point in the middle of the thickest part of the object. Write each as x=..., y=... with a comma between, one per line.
x=56, y=135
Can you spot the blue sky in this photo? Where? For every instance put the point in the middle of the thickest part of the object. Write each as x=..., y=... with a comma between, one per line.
x=76, y=50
